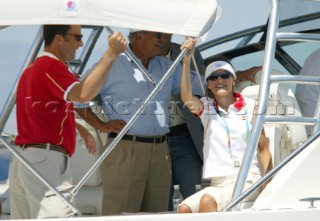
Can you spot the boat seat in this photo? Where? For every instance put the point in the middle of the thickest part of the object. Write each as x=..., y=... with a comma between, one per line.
x=240, y=85
x=89, y=197
x=283, y=139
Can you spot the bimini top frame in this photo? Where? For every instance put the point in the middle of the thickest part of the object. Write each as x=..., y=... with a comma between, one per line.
x=196, y=19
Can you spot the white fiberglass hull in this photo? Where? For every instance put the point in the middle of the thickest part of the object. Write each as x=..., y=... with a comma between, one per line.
x=248, y=215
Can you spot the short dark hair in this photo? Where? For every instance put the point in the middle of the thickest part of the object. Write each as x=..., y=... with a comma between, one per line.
x=49, y=31
x=131, y=36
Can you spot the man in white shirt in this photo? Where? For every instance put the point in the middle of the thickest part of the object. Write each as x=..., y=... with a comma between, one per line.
x=308, y=95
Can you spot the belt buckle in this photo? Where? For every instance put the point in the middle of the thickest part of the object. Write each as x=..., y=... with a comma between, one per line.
x=159, y=139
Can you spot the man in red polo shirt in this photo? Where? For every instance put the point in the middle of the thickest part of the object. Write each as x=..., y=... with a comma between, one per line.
x=45, y=120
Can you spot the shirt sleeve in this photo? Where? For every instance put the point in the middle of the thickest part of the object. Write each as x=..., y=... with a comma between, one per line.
x=204, y=101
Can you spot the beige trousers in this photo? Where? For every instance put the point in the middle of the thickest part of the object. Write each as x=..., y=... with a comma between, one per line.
x=29, y=197
x=136, y=178
x=221, y=189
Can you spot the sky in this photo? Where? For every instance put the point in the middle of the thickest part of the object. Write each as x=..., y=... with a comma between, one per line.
x=15, y=43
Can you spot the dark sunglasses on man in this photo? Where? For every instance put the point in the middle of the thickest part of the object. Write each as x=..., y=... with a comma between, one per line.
x=224, y=75
x=77, y=37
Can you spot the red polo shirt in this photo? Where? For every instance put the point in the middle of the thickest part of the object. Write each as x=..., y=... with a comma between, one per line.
x=43, y=113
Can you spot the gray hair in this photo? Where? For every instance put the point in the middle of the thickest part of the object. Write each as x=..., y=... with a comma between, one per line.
x=131, y=36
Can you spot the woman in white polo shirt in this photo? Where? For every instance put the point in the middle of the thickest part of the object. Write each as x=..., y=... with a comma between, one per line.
x=227, y=120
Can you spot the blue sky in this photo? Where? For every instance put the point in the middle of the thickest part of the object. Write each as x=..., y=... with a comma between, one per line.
x=15, y=42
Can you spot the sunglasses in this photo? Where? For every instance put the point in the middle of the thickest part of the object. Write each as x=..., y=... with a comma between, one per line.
x=224, y=75
x=77, y=37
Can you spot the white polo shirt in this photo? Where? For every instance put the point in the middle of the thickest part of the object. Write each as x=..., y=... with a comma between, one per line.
x=221, y=154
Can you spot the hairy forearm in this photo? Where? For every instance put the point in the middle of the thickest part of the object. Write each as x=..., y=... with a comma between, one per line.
x=90, y=86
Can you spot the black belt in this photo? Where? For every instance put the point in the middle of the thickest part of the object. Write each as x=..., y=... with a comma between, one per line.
x=140, y=139
x=178, y=128
x=44, y=146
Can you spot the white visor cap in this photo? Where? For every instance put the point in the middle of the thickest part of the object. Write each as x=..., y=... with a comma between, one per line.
x=217, y=65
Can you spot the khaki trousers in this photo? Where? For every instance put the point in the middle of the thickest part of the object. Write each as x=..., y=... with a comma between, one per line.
x=136, y=178
x=29, y=197
x=221, y=189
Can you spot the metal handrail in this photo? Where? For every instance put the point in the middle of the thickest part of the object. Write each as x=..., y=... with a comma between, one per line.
x=45, y=181
x=287, y=36
x=312, y=80
x=263, y=99
x=261, y=118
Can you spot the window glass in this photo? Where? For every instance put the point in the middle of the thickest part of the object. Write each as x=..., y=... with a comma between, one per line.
x=300, y=51
x=254, y=59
